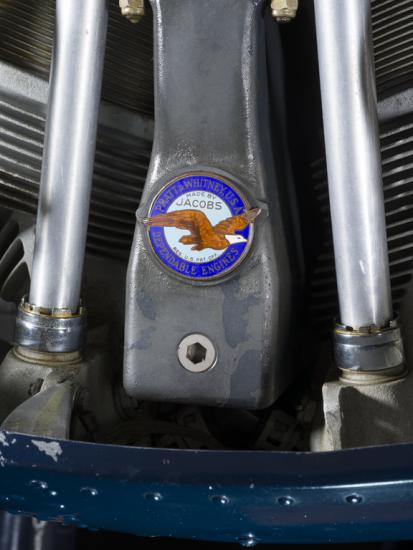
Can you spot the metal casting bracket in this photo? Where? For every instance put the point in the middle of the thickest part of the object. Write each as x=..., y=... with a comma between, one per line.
x=213, y=115
x=364, y=414
x=47, y=413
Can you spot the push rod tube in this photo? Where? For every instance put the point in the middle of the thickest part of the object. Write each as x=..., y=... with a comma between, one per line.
x=348, y=93
x=69, y=151
x=367, y=338
x=51, y=318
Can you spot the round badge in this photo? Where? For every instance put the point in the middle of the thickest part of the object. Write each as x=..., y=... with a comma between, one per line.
x=200, y=226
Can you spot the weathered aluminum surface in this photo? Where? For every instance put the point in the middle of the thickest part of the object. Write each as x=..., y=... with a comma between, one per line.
x=396, y=139
x=46, y=414
x=68, y=153
x=362, y=412
x=212, y=116
x=23, y=376
x=348, y=94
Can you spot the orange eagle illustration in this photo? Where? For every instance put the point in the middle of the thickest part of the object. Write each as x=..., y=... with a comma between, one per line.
x=202, y=233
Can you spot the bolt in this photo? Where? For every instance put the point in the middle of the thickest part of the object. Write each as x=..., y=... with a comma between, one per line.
x=197, y=353
x=284, y=11
x=133, y=10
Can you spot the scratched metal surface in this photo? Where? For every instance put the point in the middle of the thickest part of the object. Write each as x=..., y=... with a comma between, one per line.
x=248, y=316
x=246, y=497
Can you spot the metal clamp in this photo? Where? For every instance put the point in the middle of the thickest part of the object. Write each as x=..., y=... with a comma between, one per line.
x=57, y=331
x=369, y=351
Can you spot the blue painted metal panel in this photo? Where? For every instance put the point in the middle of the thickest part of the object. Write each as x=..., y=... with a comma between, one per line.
x=245, y=496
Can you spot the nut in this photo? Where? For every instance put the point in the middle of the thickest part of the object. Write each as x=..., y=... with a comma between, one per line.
x=133, y=10
x=197, y=353
x=284, y=10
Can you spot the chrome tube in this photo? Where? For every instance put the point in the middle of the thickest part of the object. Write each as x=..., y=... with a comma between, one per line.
x=353, y=161
x=69, y=150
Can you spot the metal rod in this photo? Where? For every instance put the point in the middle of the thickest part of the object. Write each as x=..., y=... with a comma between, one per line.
x=348, y=93
x=69, y=150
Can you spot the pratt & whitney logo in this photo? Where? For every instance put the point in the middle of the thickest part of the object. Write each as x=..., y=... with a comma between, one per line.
x=200, y=226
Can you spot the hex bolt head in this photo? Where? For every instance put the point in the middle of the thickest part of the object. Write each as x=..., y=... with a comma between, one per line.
x=284, y=11
x=133, y=10
x=196, y=353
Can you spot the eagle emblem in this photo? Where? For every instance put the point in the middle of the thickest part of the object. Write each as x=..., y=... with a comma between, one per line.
x=202, y=234
x=200, y=226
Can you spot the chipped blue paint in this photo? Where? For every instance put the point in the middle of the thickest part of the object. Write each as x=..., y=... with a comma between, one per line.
x=346, y=496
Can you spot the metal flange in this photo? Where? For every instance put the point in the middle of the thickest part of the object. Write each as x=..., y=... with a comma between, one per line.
x=369, y=351
x=54, y=331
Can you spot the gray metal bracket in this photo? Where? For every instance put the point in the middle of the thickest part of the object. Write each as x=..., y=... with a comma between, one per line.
x=213, y=115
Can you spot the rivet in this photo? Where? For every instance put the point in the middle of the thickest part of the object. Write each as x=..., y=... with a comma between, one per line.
x=354, y=499
x=286, y=501
x=219, y=499
x=248, y=541
x=89, y=491
x=153, y=496
x=37, y=484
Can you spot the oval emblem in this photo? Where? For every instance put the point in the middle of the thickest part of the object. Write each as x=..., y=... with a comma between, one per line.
x=200, y=226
